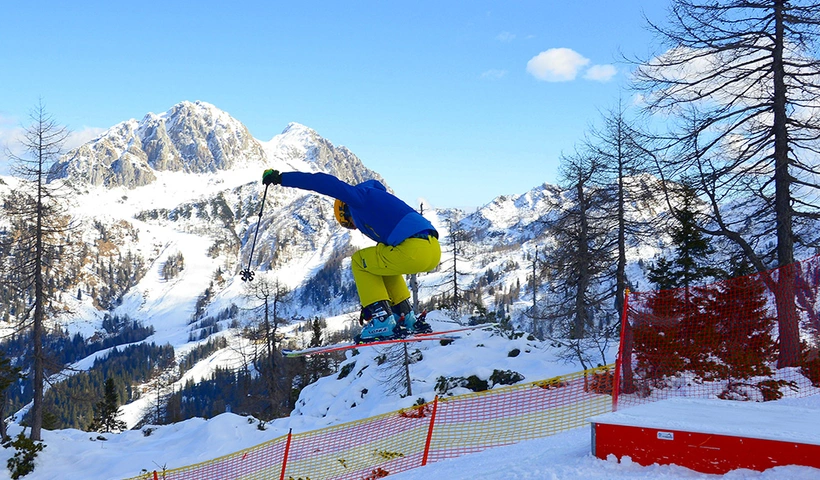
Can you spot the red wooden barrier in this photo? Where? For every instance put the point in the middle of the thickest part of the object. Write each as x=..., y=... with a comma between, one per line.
x=710, y=436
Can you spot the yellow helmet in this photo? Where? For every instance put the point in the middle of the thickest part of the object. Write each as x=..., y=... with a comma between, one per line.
x=343, y=214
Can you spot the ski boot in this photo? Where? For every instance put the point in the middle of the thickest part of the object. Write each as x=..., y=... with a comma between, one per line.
x=412, y=323
x=381, y=323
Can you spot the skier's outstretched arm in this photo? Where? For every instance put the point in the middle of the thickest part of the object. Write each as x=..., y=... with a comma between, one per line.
x=318, y=182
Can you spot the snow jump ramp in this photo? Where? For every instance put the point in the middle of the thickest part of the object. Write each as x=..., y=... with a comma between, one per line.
x=710, y=436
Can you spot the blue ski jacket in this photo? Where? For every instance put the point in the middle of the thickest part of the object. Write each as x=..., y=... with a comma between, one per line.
x=378, y=214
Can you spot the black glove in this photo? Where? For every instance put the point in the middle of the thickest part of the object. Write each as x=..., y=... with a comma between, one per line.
x=271, y=176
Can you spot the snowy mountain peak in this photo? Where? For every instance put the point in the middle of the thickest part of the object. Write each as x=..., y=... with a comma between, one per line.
x=301, y=148
x=197, y=137
x=298, y=128
x=191, y=137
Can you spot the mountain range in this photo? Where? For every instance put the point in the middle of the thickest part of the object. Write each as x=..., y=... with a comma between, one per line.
x=183, y=189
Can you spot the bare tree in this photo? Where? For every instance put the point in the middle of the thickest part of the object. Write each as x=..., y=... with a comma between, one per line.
x=40, y=223
x=159, y=391
x=623, y=150
x=454, y=252
x=742, y=77
x=580, y=258
x=272, y=295
x=619, y=146
x=395, y=363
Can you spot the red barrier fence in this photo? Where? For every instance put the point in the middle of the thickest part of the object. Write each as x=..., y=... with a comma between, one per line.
x=755, y=337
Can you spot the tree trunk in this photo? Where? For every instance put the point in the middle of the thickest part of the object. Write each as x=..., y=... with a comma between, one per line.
x=786, y=311
x=583, y=268
x=39, y=313
x=407, y=379
x=627, y=375
x=620, y=272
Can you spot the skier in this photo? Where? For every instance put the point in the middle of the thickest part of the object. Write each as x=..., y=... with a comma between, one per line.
x=406, y=243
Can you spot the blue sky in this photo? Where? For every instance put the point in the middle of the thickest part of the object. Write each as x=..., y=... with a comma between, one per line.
x=455, y=102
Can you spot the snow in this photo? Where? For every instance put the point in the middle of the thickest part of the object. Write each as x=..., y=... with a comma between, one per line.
x=73, y=454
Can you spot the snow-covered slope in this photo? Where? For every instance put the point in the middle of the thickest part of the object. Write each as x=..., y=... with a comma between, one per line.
x=75, y=455
x=476, y=352
x=72, y=455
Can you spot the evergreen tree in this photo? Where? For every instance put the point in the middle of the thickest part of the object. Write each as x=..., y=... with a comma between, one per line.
x=693, y=264
x=107, y=411
x=316, y=366
x=744, y=326
x=8, y=376
x=681, y=335
x=316, y=332
x=693, y=261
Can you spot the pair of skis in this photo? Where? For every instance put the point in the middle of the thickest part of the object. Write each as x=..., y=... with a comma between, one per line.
x=417, y=337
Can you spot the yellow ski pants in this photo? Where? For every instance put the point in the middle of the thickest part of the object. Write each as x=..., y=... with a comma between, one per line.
x=378, y=271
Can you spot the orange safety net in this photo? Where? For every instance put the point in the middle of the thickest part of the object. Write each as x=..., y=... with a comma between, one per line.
x=754, y=338
x=394, y=442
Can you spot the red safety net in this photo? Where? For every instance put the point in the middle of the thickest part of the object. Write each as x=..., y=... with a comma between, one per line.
x=748, y=338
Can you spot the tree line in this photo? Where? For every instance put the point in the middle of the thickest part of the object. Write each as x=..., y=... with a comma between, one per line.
x=720, y=138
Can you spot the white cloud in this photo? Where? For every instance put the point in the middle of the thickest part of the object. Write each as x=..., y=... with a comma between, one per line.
x=77, y=138
x=696, y=70
x=505, y=37
x=556, y=65
x=12, y=136
x=494, y=74
x=600, y=73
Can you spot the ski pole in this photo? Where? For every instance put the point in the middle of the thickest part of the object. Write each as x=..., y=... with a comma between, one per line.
x=247, y=274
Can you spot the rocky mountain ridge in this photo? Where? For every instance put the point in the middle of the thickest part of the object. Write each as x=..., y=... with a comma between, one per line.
x=190, y=137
